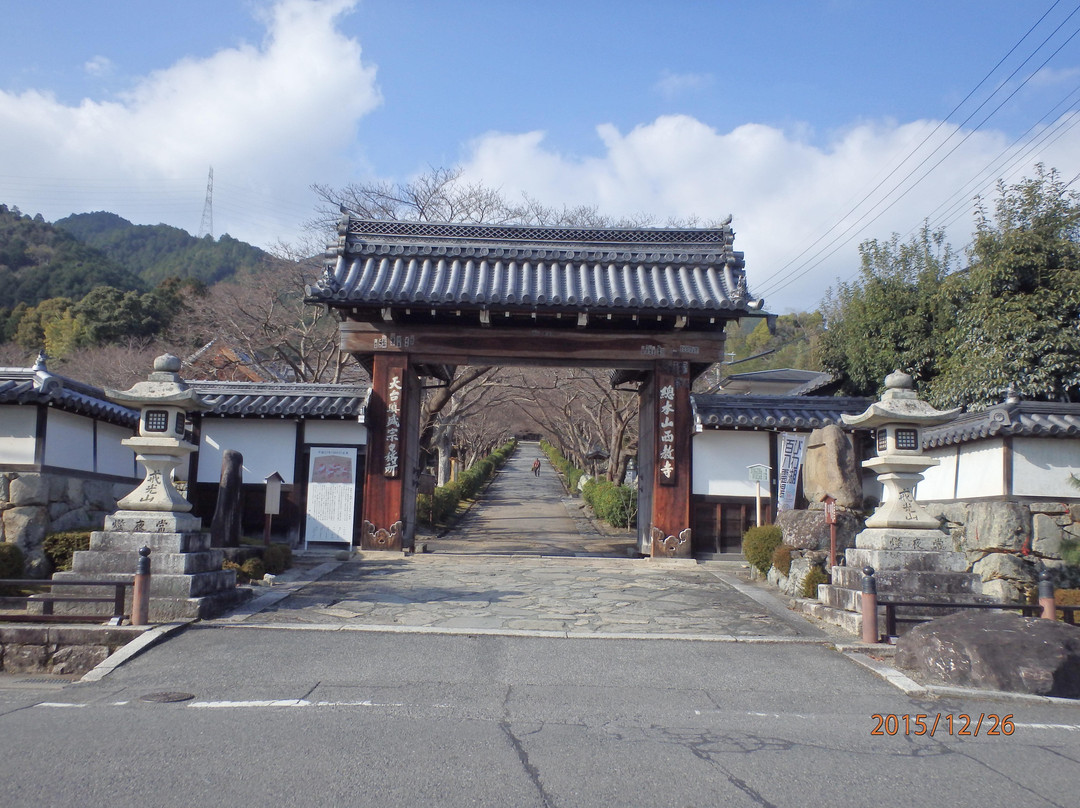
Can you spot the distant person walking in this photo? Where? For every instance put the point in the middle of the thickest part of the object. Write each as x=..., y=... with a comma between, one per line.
x=536, y=467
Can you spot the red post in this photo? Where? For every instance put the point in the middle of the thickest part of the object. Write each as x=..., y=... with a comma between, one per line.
x=140, y=596
x=869, y=606
x=830, y=520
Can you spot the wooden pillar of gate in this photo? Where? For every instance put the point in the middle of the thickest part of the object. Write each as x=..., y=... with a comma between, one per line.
x=392, y=422
x=671, y=446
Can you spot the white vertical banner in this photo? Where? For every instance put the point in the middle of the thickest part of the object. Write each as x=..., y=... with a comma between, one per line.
x=331, y=495
x=790, y=452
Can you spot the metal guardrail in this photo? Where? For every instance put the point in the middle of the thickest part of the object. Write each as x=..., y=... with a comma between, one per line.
x=140, y=598
x=47, y=601
x=1046, y=607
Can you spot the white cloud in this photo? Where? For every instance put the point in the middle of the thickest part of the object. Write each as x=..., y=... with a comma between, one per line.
x=783, y=192
x=1054, y=77
x=260, y=114
x=99, y=66
x=672, y=84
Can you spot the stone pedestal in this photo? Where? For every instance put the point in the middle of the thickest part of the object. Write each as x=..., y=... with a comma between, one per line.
x=186, y=579
x=910, y=565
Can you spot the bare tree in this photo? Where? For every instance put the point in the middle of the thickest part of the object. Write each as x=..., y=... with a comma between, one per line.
x=579, y=411
x=259, y=322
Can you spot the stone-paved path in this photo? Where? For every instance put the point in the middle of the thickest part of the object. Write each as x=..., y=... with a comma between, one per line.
x=493, y=591
x=523, y=513
x=567, y=596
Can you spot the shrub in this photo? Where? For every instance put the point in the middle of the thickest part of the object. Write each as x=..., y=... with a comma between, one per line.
x=1070, y=551
x=810, y=583
x=232, y=565
x=253, y=569
x=759, y=544
x=61, y=547
x=277, y=558
x=11, y=560
x=781, y=559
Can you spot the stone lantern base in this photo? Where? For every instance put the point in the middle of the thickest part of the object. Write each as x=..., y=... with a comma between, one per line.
x=915, y=565
x=186, y=579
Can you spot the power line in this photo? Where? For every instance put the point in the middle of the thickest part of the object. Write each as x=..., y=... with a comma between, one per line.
x=839, y=240
x=780, y=280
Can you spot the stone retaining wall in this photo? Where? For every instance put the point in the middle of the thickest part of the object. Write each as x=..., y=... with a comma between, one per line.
x=60, y=649
x=1006, y=543
x=35, y=504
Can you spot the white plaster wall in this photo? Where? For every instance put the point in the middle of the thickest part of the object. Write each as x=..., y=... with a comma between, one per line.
x=981, y=470
x=18, y=434
x=720, y=460
x=939, y=482
x=1041, y=467
x=69, y=441
x=351, y=432
x=267, y=446
x=112, y=457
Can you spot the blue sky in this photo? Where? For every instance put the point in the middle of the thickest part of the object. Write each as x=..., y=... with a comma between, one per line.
x=784, y=114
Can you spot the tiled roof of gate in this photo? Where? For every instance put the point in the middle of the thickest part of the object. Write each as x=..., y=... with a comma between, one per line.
x=282, y=400
x=1022, y=418
x=469, y=266
x=39, y=386
x=773, y=412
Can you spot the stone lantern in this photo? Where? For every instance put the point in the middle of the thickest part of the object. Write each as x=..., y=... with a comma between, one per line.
x=163, y=401
x=187, y=579
x=898, y=420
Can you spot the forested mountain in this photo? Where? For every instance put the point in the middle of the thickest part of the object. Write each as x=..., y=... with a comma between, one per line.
x=39, y=261
x=95, y=279
x=157, y=252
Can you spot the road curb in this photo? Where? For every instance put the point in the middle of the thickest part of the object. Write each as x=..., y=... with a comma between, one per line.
x=144, y=641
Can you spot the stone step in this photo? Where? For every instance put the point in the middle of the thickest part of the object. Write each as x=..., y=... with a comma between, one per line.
x=92, y=562
x=911, y=560
x=839, y=597
x=161, y=586
x=905, y=581
x=850, y=622
x=164, y=610
x=158, y=542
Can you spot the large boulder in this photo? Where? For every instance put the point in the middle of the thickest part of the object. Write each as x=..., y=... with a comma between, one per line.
x=831, y=467
x=996, y=651
x=806, y=530
x=996, y=526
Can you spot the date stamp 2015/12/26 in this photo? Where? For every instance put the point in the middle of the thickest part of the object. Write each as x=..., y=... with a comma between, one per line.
x=961, y=724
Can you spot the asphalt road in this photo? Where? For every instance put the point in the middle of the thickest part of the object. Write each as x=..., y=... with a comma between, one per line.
x=315, y=717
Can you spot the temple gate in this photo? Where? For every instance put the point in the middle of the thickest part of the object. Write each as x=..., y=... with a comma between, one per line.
x=418, y=299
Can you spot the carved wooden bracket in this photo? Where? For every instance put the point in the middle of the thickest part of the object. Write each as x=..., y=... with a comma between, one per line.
x=670, y=546
x=381, y=539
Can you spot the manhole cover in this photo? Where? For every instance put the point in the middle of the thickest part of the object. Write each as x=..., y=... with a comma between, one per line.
x=165, y=698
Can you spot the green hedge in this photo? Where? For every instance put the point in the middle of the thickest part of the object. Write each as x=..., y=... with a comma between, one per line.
x=440, y=507
x=571, y=473
x=615, y=504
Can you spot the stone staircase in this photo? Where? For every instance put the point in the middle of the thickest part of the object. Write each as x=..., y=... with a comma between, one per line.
x=186, y=578
x=910, y=565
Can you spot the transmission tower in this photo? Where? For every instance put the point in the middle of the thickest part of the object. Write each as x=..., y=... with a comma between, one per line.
x=206, y=228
